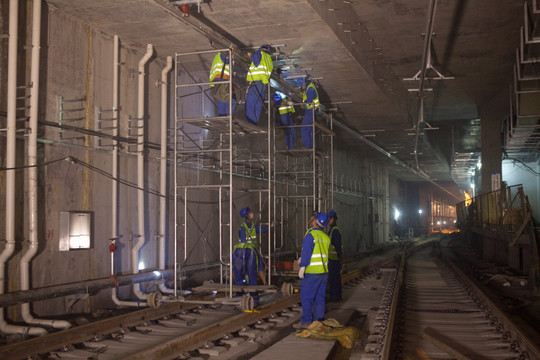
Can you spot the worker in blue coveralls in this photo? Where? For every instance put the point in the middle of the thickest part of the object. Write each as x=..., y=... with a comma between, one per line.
x=286, y=109
x=258, y=76
x=334, y=257
x=314, y=271
x=246, y=257
x=220, y=71
x=310, y=97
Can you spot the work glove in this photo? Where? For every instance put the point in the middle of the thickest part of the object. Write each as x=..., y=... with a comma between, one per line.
x=301, y=272
x=290, y=103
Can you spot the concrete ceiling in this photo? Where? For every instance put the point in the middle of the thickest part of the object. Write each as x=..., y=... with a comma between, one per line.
x=362, y=51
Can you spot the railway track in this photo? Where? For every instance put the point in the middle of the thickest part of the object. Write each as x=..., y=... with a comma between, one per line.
x=442, y=314
x=412, y=307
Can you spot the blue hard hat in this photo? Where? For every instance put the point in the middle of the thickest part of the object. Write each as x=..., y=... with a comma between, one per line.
x=322, y=219
x=279, y=96
x=265, y=48
x=245, y=211
x=332, y=214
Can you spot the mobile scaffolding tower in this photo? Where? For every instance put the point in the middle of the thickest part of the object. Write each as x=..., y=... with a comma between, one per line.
x=304, y=183
x=210, y=166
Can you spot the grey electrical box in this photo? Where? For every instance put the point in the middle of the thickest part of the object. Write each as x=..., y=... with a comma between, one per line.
x=75, y=230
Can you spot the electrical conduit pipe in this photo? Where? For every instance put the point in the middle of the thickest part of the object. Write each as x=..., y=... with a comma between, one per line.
x=33, y=176
x=140, y=170
x=10, y=164
x=114, y=192
x=163, y=172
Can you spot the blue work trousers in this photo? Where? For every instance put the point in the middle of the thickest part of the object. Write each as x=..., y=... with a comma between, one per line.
x=246, y=262
x=313, y=297
x=334, y=279
x=290, y=133
x=307, y=130
x=223, y=107
x=254, y=101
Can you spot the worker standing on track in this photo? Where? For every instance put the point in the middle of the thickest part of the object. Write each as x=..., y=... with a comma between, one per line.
x=334, y=257
x=310, y=97
x=246, y=257
x=314, y=271
x=220, y=71
x=258, y=76
x=286, y=109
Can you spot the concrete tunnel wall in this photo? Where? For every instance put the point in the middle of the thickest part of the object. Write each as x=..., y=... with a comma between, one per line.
x=77, y=63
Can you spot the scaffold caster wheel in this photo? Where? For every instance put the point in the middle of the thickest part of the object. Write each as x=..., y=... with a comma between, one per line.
x=247, y=302
x=154, y=300
x=287, y=289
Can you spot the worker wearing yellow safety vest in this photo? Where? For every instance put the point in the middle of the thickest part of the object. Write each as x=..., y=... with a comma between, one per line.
x=246, y=257
x=258, y=76
x=314, y=271
x=334, y=257
x=286, y=109
x=221, y=71
x=310, y=97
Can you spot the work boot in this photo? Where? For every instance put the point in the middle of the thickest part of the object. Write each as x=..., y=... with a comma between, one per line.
x=300, y=326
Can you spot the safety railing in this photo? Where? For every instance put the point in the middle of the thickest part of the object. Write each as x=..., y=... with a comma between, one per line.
x=506, y=210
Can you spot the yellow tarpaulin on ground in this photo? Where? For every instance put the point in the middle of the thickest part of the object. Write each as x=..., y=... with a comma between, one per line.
x=331, y=329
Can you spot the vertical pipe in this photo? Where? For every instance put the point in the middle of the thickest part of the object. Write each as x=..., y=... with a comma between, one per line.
x=114, y=183
x=314, y=163
x=10, y=164
x=175, y=175
x=185, y=224
x=272, y=175
x=220, y=211
x=231, y=189
x=140, y=168
x=332, y=162
x=268, y=197
x=114, y=172
x=163, y=161
x=33, y=175
x=163, y=171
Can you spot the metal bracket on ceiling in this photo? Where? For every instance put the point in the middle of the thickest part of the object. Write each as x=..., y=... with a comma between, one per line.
x=429, y=65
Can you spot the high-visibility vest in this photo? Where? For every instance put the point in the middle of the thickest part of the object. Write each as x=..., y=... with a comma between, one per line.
x=285, y=108
x=217, y=67
x=315, y=101
x=332, y=252
x=251, y=238
x=318, y=263
x=263, y=71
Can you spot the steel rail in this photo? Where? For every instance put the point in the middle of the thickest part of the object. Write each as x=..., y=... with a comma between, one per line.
x=196, y=339
x=525, y=341
x=55, y=341
x=187, y=342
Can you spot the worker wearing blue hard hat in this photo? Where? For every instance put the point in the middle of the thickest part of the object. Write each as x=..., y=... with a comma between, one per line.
x=286, y=109
x=314, y=271
x=334, y=257
x=258, y=76
x=310, y=97
x=247, y=260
